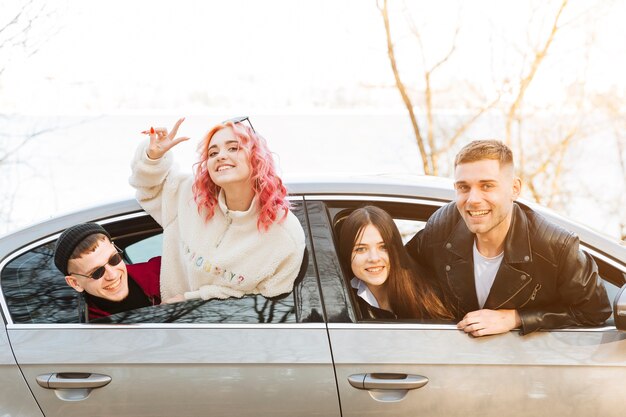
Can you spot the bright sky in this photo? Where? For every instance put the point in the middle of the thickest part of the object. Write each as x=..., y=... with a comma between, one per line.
x=280, y=59
x=284, y=54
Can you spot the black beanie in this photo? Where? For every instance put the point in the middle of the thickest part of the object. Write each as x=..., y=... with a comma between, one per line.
x=72, y=237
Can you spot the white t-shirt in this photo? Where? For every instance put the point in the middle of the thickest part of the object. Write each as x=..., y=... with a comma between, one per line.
x=485, y=270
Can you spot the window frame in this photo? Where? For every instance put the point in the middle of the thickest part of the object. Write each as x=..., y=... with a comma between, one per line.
x=332, y=203
x=136, y=235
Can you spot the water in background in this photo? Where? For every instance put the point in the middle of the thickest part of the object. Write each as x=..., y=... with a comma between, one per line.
x=75, y=162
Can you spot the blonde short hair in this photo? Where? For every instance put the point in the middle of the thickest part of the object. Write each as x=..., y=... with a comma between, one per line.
x=479, y=150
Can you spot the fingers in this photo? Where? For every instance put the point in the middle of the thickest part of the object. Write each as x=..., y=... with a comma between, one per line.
x=472, y=328
x=473, y=324
x=468, y=320
x=176, y=126
x=162, y=133
x=179, y=140
x=487, y=322
x=479, y=333
x=161, y=141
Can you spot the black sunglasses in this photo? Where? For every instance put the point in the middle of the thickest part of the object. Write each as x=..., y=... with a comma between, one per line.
x=99, y=272
x=240, y=119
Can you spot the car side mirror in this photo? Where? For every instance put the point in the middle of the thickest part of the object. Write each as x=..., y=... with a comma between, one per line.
x=619, y=309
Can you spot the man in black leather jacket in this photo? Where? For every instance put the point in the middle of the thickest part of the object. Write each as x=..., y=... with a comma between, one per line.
x=504, y=265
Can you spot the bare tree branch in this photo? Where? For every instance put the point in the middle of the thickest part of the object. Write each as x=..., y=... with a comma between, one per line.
x=401, y=88
x=428, y=91
x=527, y=80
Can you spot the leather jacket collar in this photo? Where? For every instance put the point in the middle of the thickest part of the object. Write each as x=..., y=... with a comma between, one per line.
x=516, y=244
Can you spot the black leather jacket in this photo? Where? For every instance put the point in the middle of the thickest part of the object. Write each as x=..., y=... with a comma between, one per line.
x=544, y=274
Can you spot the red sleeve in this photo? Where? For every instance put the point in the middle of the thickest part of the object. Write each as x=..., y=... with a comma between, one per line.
x=147, y=275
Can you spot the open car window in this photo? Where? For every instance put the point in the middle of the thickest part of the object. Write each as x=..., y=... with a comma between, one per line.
x=35, y=291
x=411, y=218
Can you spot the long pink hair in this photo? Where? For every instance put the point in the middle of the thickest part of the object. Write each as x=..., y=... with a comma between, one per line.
x=267, y=185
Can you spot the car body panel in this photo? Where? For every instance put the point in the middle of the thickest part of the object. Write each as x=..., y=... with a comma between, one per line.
x=16, y=399
x=551, y=373
x=260, y=370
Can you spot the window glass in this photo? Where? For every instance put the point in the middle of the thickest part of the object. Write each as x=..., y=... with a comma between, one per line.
x=145, y=249
x=35, y=290
x=248, y=309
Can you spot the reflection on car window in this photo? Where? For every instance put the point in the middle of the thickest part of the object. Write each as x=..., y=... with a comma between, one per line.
x=611, y=290
x=35, y=291
x=246, y=310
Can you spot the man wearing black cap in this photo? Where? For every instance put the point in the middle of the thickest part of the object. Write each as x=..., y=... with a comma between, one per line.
x=93, y=265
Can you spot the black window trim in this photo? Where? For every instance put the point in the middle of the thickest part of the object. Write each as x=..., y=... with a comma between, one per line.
x=436, y=203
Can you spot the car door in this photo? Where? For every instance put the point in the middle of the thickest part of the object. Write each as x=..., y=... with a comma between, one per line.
x=401, y=368
x=244, y=357
x=15, y=397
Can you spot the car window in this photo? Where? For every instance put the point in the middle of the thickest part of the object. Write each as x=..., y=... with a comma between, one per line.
x=36, y=292
x=411, y=218
x=144, y=250
x=408, y=228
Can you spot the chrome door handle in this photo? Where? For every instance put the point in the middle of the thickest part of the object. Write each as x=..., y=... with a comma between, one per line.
x=73, y=380
x=384, y=381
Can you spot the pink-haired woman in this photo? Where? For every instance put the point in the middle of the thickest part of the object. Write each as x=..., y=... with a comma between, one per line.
x=227, y=231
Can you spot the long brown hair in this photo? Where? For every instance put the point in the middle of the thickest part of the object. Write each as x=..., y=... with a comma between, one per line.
x=410, y=295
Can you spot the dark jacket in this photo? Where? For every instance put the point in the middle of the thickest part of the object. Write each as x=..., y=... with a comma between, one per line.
x=147, y=277
x=369, y=312
x=544, y=274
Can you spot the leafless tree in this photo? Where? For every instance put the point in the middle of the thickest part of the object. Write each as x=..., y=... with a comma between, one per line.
x=544, y=135
x=431, y=145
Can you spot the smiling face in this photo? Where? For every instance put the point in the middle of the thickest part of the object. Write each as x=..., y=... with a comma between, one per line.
x=485, y=192
x=227, y=163
x=113, y=285
x=370, y=260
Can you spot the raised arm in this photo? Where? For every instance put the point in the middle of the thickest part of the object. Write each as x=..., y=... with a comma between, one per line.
x=154, y=176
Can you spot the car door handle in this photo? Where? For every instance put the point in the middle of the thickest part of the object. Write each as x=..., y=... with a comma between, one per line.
x=387, y=381
x=72, y=380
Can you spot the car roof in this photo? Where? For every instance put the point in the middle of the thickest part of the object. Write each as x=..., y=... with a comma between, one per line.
x=396, y=185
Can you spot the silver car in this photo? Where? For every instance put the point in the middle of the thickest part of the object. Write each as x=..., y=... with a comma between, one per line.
x=309, y=353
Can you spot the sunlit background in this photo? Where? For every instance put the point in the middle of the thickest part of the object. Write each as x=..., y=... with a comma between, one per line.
x=79, y=81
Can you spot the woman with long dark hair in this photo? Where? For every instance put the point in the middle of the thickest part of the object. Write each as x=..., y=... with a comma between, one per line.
x=227, y=230
x=386, y=279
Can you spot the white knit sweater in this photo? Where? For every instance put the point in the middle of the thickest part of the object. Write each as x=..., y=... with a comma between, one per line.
x=225, y=257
